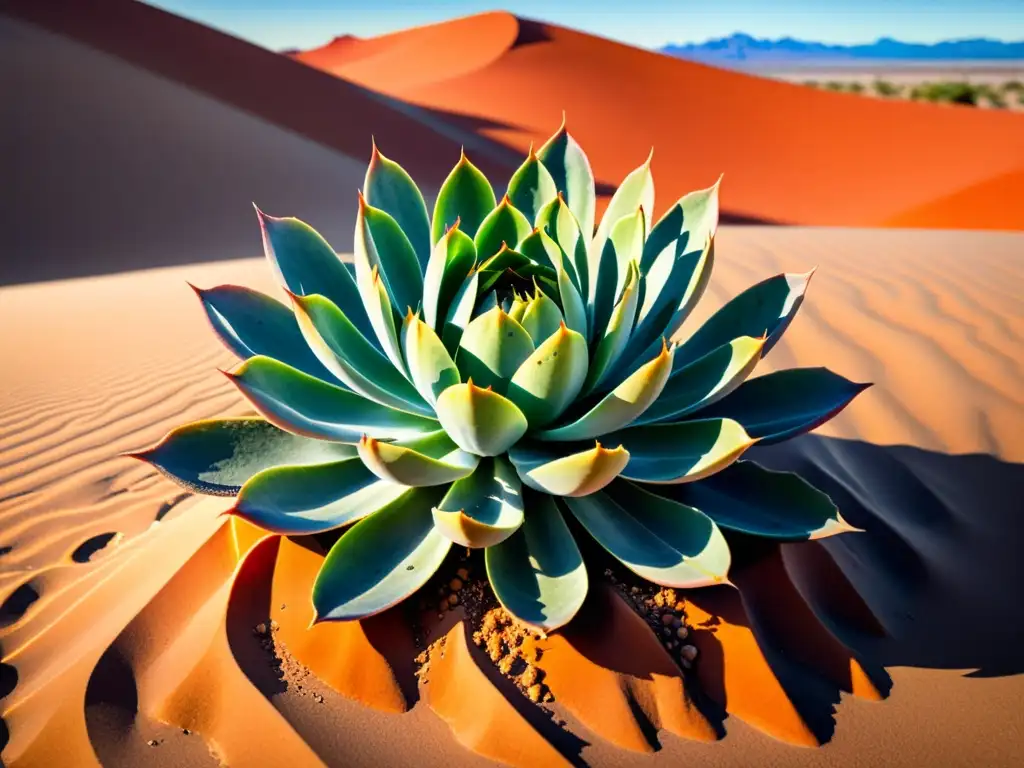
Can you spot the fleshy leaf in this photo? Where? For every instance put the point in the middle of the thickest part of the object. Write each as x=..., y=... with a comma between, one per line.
x=480, y=421
x=706, y=380
x=767, y=307
x=549, y=468
x=681, y=453
x=304, y=405
x=251, y=323
x=658, y=539
x=484, y=508
x=430, y=366
x=450, y=263
x=517, y=308
x=531, y=187
x=305, y=263
x=507, y=260
x=300, y=500
x=381, y=311
x=635, y=191
x=784, y=404
x=542, y=317
x=345, y=352
x=624, y=247
x=381, y=560
x=662, y=311
x=492, y=348
x=217, y=456
x=616, y=334
x=561, y=225
x=777, y=505
x=381, y=245
x=690, y=222
x=465, y=196
x=538, y=573
x=460, y=312
x=505, y=225
x=550, y=378
x=430, y=460
x=573, y=177
x=621, y=406
x=388, y=187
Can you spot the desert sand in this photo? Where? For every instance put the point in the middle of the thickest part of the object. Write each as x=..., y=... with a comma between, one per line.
x=128, y=607
x=150, y=621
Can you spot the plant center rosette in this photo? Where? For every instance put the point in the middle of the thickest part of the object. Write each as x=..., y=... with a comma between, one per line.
x=481, y=374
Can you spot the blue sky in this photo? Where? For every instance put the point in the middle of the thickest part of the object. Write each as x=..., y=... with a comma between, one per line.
x=280, y=24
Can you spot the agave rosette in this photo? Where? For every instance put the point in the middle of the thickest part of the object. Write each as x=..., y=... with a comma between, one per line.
x=481, y=376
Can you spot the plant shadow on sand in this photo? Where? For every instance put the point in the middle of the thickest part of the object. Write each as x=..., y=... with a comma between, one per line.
x=807, y=620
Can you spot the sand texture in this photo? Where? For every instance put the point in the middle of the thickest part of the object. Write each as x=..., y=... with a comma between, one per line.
x=112, y=648
x=139, y=625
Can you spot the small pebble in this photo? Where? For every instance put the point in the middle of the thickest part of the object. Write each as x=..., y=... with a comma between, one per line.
x=687, y=664
x=677, y=622
x=455, y=584
x=635, y=590
x=667, y=619
x=463, y=574
x=153, y=743
x=261, y=629
x=453, y=599
x=666, y=632
x=670, y=644
x=688, y=652
x=443, y=605
x=682, y=633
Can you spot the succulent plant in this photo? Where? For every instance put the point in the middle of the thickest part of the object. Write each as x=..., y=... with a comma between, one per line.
x=486, y=375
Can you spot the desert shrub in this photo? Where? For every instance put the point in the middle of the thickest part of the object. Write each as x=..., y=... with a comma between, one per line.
x=886, y=89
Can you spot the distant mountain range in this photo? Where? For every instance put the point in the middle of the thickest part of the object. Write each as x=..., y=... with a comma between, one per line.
x=740, y=49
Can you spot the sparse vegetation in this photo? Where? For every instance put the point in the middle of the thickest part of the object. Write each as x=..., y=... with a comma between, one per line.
x=1007, y=95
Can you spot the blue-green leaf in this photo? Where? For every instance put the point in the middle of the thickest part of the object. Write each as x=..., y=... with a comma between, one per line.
x=304, y=405
x=505, y=225
x=430, y=460
x=705, y=381
x=430, y=366
x=251, y=323
x=561, y=225
x=681, y=453
x=688, y=224
x=767, y=307
x=492, y=348
x=538, y=573
x=348, y=355
x=621, y=406
x=567, y=469
x=784, y=404
x=217, y=456
x=531, y=187
x=542, y=317
x=660, y=540
x=573, y=177
x=388, y=187
x=776, y=505
x=382, y=559
x=460, y=312
x=480, y=421
x=465, y=196
x=300, y=500
x=381, y=245
x=305, y=263
x=450, y=263
x=549, y=380
x=635, y=191
x=483, y=509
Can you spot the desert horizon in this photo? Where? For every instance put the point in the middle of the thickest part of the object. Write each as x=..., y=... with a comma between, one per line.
x=145, y=623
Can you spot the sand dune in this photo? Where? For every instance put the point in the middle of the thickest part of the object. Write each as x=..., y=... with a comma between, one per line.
x=932, y=473
x=792, y=154
x=142, y=139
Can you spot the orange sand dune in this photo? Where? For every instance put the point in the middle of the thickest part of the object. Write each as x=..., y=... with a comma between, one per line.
x=790, y=154
x=104, y=651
